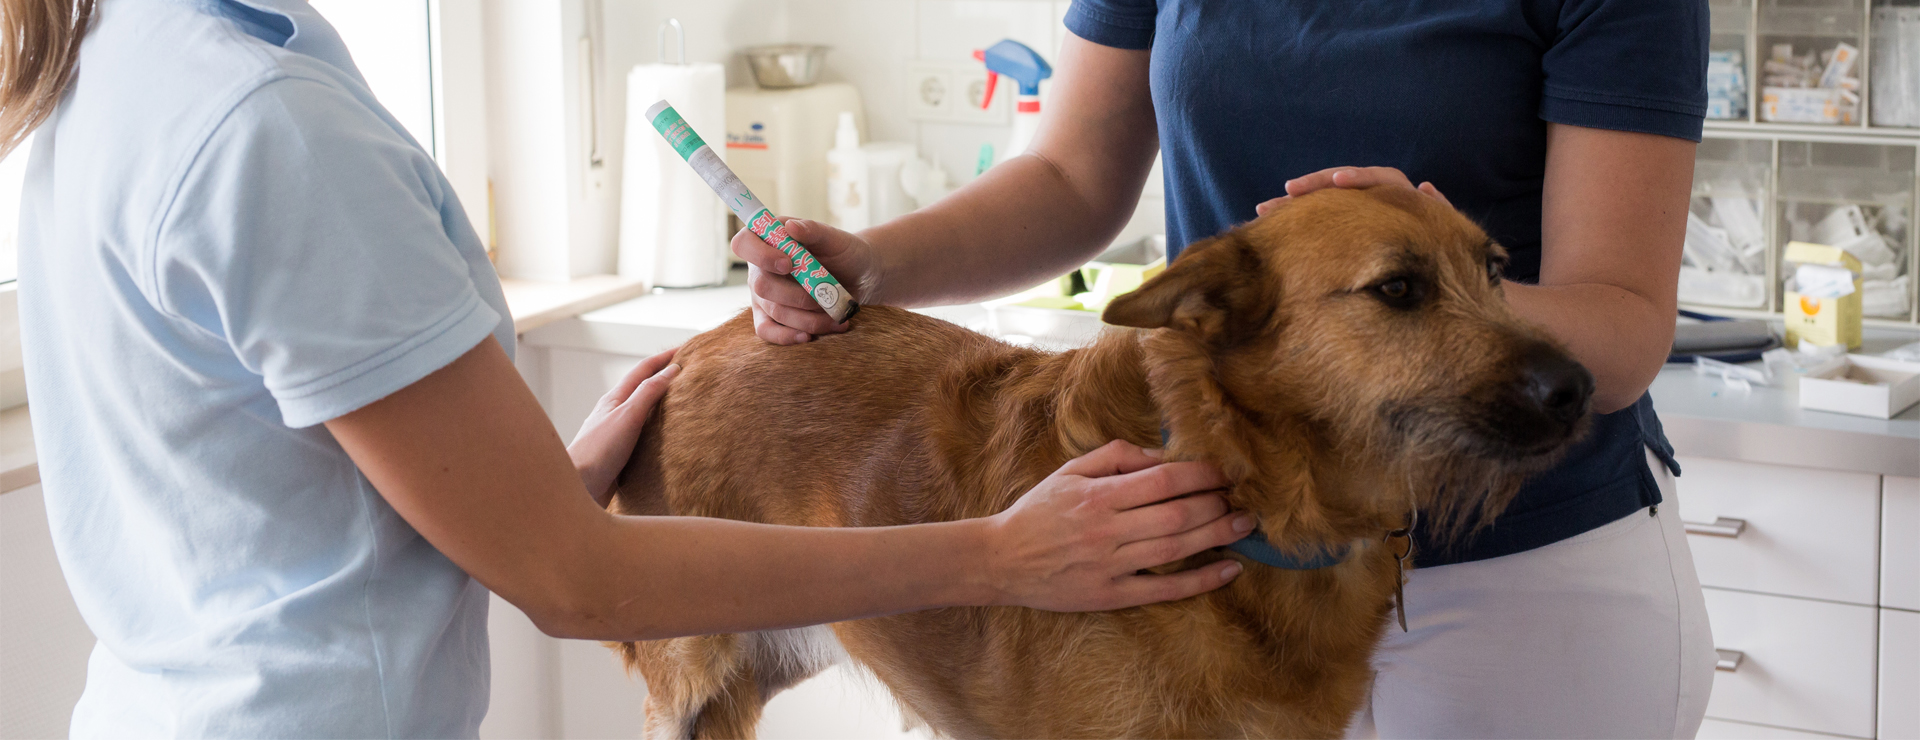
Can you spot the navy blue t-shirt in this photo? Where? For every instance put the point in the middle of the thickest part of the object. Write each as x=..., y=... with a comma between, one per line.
x=1456, y=92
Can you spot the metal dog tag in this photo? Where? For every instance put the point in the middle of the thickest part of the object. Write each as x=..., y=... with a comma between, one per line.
x=1400, y=600
x=1400, y=555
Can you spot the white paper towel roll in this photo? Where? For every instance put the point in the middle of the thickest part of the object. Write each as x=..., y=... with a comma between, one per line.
x=673, y=231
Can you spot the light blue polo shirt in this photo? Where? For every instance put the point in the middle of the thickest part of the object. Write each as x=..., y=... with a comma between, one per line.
x=225, y=242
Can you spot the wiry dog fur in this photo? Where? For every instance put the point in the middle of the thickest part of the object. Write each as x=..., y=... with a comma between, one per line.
x=1284, y=351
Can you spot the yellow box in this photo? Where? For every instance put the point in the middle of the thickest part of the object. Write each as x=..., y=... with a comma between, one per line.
x=1823, y=321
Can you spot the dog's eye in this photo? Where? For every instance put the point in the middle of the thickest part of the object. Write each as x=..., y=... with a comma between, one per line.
x=1400, y=292
x=1496, y=268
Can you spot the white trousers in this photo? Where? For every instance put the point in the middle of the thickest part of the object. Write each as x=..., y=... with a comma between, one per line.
x=1603, y=635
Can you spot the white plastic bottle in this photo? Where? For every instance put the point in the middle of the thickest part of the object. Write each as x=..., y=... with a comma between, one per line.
x=847, y=187
x=1026, y=121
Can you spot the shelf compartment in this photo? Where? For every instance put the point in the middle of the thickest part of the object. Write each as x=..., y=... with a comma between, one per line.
x=1856, y=196
x=1894, y=92
x=1729, y=56
x=1728, y=262
x=1807, y=61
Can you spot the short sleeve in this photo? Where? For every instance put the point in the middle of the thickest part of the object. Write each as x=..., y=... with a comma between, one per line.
x=308, y=234
x=1122, y=24
x=1629, y=65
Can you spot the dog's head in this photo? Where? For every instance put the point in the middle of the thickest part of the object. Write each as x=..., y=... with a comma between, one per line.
x=1351, y=351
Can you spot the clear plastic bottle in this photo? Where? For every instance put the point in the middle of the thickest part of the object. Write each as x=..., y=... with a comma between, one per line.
x=847, y=187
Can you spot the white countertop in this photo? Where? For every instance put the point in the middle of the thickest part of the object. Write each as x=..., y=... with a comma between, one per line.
x=1702, y=416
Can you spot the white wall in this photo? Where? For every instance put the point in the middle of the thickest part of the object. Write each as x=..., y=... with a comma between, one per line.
x=532, y=84
x=872, y=40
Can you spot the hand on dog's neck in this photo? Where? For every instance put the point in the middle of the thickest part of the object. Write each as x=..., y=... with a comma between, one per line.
x=1131, y=383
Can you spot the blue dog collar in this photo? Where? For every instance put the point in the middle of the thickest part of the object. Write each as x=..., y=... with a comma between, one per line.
x=1255, y=547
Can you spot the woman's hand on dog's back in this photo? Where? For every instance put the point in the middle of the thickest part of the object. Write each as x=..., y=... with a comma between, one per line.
x=1079, y=539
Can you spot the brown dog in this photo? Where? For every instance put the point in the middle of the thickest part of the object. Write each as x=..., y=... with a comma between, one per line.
x=1343, y=359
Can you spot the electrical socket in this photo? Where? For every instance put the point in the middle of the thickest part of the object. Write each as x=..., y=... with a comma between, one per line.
x=930, y=91
x=950, y=92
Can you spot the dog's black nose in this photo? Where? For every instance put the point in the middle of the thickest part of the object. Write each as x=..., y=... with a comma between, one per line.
x=1555, y=384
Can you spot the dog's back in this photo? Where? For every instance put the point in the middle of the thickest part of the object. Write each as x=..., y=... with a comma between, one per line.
x=907, y=419
x=851, y=411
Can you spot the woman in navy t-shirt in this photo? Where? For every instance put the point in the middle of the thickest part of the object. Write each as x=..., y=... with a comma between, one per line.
x=1565, y=127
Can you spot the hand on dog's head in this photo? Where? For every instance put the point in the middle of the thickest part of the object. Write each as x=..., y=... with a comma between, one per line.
x=1375, y=320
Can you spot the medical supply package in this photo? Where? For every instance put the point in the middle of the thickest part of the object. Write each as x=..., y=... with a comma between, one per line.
x=1824, y=306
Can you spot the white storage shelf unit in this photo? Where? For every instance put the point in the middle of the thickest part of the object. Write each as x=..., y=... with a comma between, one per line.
x=1793, y=174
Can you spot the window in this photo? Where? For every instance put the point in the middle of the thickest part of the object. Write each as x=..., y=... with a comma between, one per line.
x=391, y=45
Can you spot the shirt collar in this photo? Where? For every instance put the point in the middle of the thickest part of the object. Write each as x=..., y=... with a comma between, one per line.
x=312, y=35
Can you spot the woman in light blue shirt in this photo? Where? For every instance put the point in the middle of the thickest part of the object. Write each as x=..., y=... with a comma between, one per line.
x=284, y=449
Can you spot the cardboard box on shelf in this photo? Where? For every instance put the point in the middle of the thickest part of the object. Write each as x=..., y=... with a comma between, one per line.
x=1827, y=314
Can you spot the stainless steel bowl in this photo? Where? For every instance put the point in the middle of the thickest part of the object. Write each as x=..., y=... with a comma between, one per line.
x=784, y=66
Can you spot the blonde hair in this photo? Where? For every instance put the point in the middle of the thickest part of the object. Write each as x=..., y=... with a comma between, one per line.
x=39, y=42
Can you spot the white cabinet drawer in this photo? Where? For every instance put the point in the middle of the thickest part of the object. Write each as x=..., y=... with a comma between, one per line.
x=1720, y=729
x=1805, y=665
x=1900, y=545
x=1811, y=533
x=1899, y=674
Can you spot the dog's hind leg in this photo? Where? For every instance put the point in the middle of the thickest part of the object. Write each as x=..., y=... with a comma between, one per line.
x=716, y=686
x=683, y=675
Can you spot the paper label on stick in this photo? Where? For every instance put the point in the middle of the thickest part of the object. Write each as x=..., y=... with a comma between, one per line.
x=825, y=289
x=678, y=134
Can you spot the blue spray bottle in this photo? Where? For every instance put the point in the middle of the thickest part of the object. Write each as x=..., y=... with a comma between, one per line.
x=1025, y=66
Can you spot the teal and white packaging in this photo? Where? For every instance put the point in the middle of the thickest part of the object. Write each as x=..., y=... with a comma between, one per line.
x=703, y=160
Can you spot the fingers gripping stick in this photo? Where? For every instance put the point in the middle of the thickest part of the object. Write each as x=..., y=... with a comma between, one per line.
x=822, y=285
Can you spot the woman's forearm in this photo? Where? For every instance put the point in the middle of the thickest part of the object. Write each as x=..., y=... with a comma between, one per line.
x=1613, y=219
x=704, y=576
x=1019, y=224
x=1621, y=337
x=1040, y=214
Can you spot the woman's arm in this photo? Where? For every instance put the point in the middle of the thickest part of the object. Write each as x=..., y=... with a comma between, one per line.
x=1613, y=220
x=469, y=459
x=1033, y=217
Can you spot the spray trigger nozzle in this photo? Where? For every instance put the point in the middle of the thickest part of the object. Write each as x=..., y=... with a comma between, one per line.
x=1016, y=60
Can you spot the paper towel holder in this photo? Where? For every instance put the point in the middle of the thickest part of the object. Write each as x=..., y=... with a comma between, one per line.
x=660, y=49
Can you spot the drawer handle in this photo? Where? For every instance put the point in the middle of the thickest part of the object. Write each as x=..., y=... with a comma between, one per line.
x=1721, y=527
x=1727, y=660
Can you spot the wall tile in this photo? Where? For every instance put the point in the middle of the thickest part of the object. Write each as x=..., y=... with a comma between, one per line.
x=872, y=40
x=952, y=29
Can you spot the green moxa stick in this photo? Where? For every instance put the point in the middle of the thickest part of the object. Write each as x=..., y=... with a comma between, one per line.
x=822, y=285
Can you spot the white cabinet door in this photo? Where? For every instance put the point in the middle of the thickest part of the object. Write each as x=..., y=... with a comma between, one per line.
x=1811, y=533
x=43, y=644
x=1805, y=665
x=1900, y=545
x=1720, y=729
x=576, y=381
x=1899, y=674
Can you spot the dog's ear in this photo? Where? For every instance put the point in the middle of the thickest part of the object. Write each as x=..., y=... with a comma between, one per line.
x=1214, y=287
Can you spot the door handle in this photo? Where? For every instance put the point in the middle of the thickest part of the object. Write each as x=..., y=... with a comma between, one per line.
x=1721, y=527
x=1728, y=660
